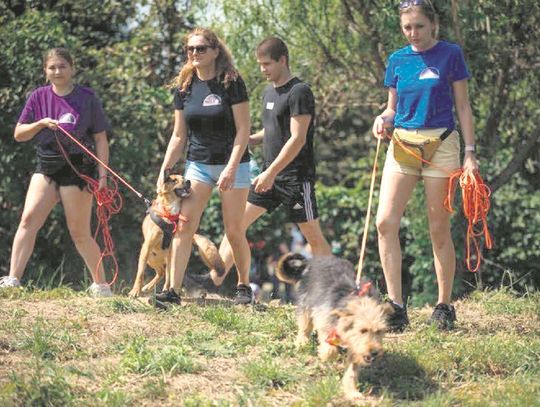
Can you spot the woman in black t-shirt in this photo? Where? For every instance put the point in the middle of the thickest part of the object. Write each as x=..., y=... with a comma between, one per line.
x=212, y=115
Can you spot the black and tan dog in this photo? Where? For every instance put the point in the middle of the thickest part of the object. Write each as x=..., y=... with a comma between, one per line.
x=344, y=317
x=158, y=229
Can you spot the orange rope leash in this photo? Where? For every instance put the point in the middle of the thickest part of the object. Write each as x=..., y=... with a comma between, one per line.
x=475, y=194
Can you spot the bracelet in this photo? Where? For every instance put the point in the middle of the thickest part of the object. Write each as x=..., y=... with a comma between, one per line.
x=470, y=147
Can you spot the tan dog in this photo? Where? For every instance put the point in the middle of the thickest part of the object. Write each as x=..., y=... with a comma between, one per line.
x=329, y=303
x=158, y=229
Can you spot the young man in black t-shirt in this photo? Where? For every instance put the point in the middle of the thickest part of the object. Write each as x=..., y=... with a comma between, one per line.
x=288, y=176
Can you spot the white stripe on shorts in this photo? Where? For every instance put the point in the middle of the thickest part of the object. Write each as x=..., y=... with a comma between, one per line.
x=307, y=200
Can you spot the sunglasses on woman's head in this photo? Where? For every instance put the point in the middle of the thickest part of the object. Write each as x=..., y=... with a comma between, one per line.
x=201, y=49
x=410, y=3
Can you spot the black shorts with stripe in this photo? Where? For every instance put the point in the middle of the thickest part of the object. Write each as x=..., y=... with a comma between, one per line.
x=298, y=197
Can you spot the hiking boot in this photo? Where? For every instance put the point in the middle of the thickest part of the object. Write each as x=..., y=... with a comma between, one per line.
x=443, y=317
x=243, y=294
x=169, y=296
x=9, y=282
x=100, y=290
x=398, y=321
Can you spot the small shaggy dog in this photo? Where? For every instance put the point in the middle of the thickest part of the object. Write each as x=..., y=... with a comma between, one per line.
x=329, y=303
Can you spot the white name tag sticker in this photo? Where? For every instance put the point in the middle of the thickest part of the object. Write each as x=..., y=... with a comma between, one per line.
x=269, y=105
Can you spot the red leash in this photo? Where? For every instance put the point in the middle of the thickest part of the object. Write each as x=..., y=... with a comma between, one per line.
x=109, y=202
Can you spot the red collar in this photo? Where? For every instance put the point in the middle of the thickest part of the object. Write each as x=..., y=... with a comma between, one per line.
x=164, y=213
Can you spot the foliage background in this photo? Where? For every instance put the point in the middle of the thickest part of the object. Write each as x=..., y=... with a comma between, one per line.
x=128, y=50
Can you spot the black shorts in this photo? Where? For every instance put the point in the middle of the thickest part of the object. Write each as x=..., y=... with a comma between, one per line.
x=297, y=196
x=57, y=169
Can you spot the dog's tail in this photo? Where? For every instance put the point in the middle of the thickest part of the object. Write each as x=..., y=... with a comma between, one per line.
x=209, y=253
x=290, y=267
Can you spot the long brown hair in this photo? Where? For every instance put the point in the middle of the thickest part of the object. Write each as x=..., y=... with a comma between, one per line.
x=225, y=69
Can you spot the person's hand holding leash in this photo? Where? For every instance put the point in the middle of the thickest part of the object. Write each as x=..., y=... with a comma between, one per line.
x=49, y=123
x=470, y=162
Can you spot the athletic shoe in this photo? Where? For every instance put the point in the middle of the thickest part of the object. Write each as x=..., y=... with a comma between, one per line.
x=169, y=296
x=9, y=282
x=443, y=317
x=100, y=290
x=243, y=294
x=398, y=321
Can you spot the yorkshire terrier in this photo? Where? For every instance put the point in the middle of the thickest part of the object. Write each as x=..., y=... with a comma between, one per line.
x=343, y=316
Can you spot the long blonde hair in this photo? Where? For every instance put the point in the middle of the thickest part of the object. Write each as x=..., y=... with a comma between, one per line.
x=225, y=69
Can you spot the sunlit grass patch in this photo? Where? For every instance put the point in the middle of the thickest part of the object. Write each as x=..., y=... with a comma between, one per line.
x=322, y=392
x=38, y=385
x=139, y=357
x=48, y=341
x=268, y=372
x=123, y=305
x=503, y=302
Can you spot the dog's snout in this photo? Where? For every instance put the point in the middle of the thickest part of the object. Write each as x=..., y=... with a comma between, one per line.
x=187, y=184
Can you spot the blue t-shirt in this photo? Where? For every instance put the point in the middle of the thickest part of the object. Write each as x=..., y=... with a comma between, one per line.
x=423, y=81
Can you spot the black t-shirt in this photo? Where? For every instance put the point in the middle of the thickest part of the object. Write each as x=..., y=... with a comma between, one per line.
x=207, y=107
x=279, y=105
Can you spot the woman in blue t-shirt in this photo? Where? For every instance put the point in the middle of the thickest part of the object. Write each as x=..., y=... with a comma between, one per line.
x=212, y=118
x=78, y=110
x=425, y=80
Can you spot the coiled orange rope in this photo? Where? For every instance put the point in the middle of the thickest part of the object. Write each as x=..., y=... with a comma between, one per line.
x=475, y=194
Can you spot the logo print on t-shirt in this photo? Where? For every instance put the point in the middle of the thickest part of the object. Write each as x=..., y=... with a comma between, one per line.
x=212, y=100
x=429, y=73
x=269, y=105
x=67, y=118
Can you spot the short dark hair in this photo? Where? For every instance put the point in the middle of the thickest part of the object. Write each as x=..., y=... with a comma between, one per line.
x=273, y=47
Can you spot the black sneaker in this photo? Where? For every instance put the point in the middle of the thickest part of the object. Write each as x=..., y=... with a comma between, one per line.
x=443, y=317
x=398, y=321
x=169, y=296
x=243, y=294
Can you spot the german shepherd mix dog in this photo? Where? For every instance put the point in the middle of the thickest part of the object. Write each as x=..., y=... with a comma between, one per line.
x=158, y=229
x=329, y=303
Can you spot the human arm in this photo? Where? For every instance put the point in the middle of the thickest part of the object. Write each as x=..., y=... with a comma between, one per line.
x=466, y=121
x=27, y=131
x=256, y=138
x=386, y=118
x=242, y=123
x=176, y=145
x=299, y=127
x=102, y=152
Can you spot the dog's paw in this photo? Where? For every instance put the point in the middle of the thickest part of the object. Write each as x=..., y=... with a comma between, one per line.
x=354, y=396
x=134, y=293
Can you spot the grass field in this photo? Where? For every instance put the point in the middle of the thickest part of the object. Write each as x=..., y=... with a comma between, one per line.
x=61, y=348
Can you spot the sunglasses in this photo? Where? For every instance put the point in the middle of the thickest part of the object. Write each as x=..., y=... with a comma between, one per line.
x=410, y=3
x=201, y=49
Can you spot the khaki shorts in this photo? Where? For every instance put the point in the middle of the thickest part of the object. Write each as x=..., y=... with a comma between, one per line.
x=446, y=157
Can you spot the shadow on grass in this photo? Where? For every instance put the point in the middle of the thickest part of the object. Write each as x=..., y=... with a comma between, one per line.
x=399, y=376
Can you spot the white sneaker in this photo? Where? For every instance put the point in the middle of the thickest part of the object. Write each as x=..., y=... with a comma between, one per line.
x=100, y=290
x=8, y=281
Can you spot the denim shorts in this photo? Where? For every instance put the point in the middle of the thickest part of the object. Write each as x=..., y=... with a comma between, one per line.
x=209, y=173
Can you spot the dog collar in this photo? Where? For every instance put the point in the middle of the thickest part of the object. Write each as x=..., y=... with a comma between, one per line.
x=333, y=338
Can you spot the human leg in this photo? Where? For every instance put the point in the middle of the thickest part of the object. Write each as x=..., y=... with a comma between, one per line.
x=441, y=238
x=41, y=197
x=233, y=205
x=251, y=214
x=396, y=190
x=314, y=236
x=77, y=205
x=192, y=209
